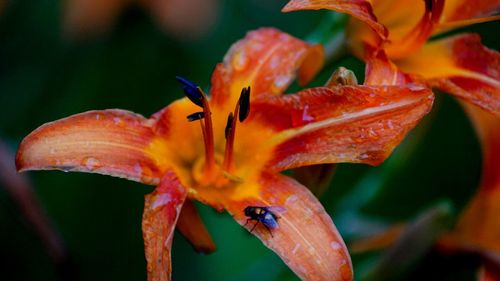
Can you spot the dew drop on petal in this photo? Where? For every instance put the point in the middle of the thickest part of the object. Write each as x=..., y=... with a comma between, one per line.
x=280, y=82
x=91, y=163
x=239, y=60
x=335, y=245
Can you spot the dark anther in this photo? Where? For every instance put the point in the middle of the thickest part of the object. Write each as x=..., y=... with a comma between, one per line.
x=191, y=91
x=428, y=5
x=195, y=116
x=229, y=124
x=244, y=103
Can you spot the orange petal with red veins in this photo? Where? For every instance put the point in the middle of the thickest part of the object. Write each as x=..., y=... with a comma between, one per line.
x=361, y=124
x=380, y=70
x=161, y=210
x=459, y=13
x=306, y=238
x=360, y=9
x=91, y=17
x=267, y=60
x=479, y=227
x=110, y=142
x=462, y=66
x=193, y=229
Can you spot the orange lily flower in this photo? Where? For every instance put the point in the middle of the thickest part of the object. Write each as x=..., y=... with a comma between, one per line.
x=232, y=163
x=459, y=65
x=478, y=229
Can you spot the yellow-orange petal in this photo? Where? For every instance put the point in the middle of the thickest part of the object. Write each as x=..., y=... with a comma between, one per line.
x=306, y=238
x=110, y=142
x=360, y=9
x=267, y=60
x=192, y=228
x=84, y=18
x=478, y=228
x=462, y=66
x=161, y=211
x=360, y=124
x=407, y=43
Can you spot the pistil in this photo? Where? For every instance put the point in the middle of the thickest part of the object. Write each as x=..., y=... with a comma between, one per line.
x=241, y=110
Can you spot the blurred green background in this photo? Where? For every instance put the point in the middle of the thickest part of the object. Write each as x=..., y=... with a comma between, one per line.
x=44, y=77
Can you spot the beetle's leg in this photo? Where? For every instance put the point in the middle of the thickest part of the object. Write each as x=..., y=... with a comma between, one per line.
x=270, y=232
x=247, y=222
x=255, y=225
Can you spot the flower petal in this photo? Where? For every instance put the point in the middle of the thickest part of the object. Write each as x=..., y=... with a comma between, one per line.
x=111, y=142
x=161, y=210
x=459, y=13
x=479, y=226
x=306, y=238
x=341, y=124
x=192, y=228
x=361, y=9
x=267, y=60
x=380, y=70
x=462, y=66
x=407, y=43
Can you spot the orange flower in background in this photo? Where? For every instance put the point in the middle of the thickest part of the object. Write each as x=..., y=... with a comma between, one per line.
x=232, y=152
x=181, y=18
x=400, y=30
x=478, y=229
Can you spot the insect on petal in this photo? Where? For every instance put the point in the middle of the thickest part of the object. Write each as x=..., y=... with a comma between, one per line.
x=111, y=142
x=161, y=211
x=306, y=238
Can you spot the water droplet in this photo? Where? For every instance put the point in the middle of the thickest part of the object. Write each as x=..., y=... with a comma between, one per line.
x=280, y=82
x=390, y=124
x=239, y=60
x=117, y=120
x=291, y=199
x=161, y=200
x=335, y=245
x=91, y=163
x=364, y=156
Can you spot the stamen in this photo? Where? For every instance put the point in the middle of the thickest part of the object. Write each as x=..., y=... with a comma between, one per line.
x=195, y=116
x=241, y=110
x=209, y=138
x=244, y=103
x=229, y=124
x=195, y=94
x=191, y=90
